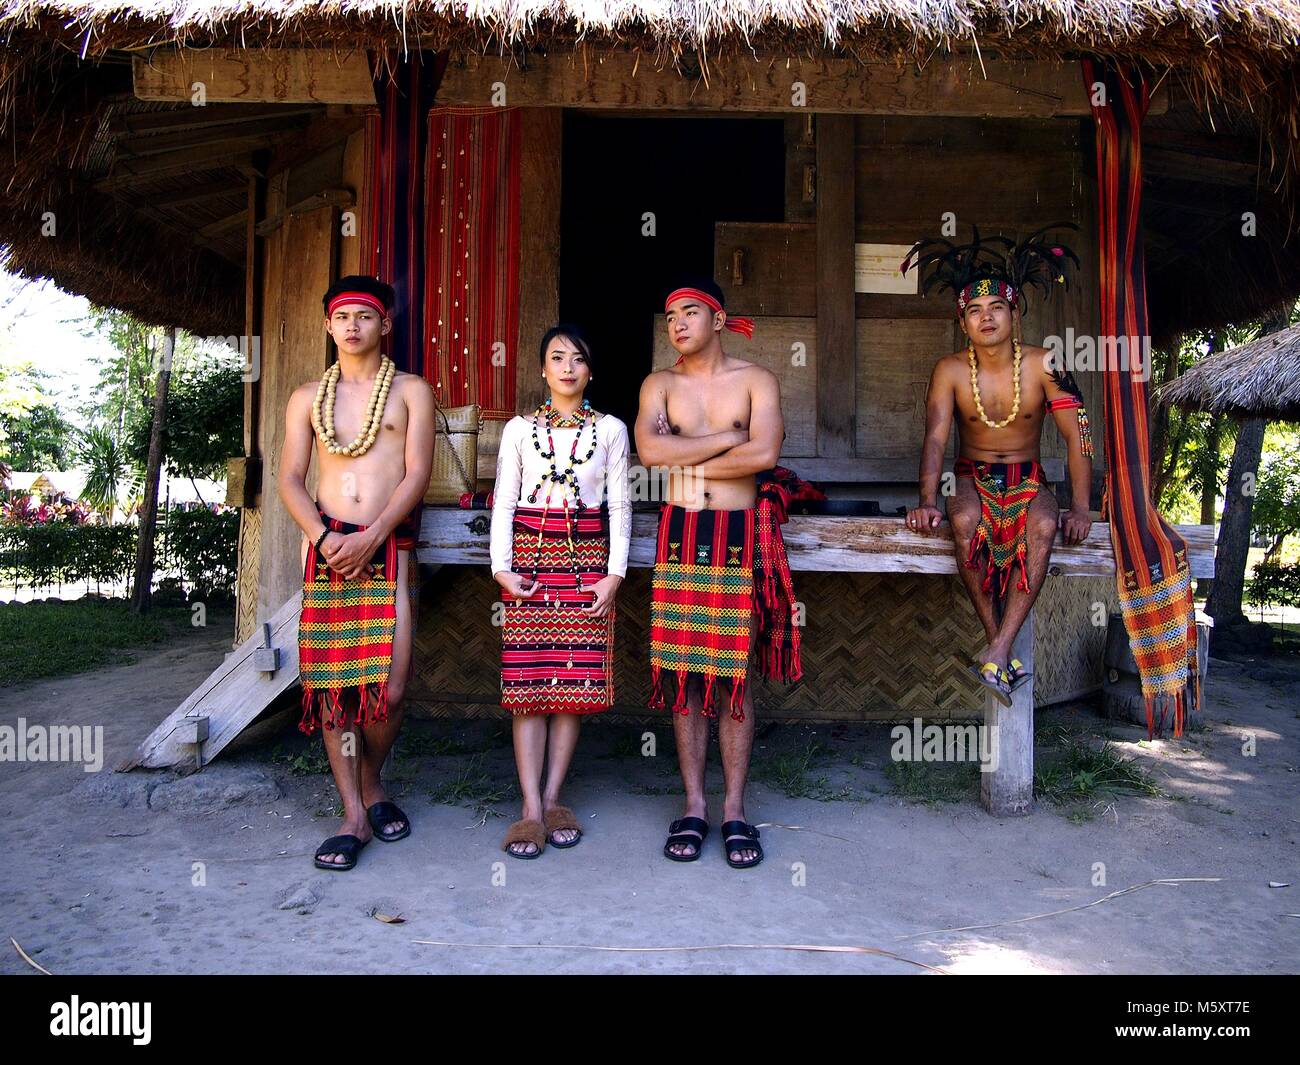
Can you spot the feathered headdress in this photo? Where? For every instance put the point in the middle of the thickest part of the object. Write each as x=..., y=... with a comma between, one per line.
x=991, y=266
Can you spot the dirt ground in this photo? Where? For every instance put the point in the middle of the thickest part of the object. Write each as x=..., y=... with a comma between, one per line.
x=154, y=873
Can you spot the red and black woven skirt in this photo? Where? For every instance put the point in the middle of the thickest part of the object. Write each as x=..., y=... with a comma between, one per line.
x=555, y=658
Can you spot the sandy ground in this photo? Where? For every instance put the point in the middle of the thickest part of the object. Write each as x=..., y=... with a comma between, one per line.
x=100, y=872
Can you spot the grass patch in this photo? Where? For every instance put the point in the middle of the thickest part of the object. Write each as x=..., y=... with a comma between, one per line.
x=308, y=760
x=934, y=782
x=792, y=774
x=39, y=640
x=1088, y=774
x=470, y=786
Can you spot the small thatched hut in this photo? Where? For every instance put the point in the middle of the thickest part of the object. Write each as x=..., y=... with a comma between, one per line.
x=212, y=164
x=1256, y=380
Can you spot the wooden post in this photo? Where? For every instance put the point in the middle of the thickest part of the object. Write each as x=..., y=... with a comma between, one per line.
x=142, y=593
x=836, y=309
x=1008, y=790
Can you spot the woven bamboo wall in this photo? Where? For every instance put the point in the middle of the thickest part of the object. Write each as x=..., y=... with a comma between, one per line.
x=249, y=566
x=876, y=647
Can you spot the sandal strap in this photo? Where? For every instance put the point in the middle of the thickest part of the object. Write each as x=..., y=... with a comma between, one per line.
x=738, y=828
x=690, y=824
x=348, y=846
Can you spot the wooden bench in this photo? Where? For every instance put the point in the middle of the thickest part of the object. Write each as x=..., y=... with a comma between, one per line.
x=452, y=536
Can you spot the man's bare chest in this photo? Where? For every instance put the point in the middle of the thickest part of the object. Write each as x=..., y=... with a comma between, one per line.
x=714, y=408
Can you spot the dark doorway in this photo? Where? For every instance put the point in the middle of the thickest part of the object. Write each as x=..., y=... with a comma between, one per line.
x=689, y=173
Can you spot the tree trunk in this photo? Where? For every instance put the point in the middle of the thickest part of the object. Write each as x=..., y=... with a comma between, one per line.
x=142, y=595
x=1274, y=547
x=1224, y=604
x=1210, y=485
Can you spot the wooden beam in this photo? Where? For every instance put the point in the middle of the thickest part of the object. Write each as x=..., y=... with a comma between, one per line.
x=816, y=543
x=624, y=80
x=191, y=117
x=629, y=81
x=224, y=225
x=127, y=172
x=184, y=195
x=539, y=244
x=255, y=75
x=146, y=144
x=836, y=312
x=339, y=198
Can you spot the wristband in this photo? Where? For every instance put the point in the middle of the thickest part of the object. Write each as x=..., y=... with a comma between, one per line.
x=321, y=538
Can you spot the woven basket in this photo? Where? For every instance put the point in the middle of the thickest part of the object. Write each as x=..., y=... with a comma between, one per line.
x=455, y=454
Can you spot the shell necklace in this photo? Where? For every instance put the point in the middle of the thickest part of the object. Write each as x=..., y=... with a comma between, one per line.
x=975, y=387
x=322, y=410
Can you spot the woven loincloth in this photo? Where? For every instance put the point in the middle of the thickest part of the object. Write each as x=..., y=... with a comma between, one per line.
x=1006, y=490
x=555, y=658
x=345, y=637
x=717, y=574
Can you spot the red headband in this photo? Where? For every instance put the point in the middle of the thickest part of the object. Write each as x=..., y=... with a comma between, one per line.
x=356, y=297
x=744, y=326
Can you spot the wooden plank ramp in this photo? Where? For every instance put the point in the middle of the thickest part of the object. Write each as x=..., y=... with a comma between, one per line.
x=230, y=699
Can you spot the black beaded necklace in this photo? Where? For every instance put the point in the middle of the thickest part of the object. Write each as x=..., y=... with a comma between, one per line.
x=568, y=477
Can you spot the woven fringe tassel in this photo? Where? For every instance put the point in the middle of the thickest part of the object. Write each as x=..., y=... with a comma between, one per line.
x=380, y=705
x=307, y=723
x=706, y=708
x=738, y=699
x=679, y=704
x=656, y=688
x=1023, y=584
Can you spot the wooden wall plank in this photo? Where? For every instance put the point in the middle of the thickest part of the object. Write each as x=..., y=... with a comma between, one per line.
x=895, y=359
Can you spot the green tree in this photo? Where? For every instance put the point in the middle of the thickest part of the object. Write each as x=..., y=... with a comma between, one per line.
x=205, y=410
x=39, y=439
x=1276, y=514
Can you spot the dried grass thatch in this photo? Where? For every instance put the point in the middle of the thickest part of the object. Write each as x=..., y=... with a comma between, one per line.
x=1259, y=379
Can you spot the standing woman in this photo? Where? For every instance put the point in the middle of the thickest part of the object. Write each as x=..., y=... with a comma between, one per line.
x=561, y=525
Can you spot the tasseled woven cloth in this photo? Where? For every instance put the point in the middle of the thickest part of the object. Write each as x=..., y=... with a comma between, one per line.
x=554, y=657
x=716, y=573
x=1006, y=489
x=345, y=638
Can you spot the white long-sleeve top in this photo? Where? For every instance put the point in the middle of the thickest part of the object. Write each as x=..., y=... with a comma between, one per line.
x=520, y=466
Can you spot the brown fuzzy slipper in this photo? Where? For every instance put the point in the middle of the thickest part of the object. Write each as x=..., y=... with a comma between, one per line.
x=525, y=832
x=560, y=819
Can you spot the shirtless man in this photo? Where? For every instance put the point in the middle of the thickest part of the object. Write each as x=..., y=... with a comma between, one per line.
x=715, y=422
x=363, y=517
x=997, y=511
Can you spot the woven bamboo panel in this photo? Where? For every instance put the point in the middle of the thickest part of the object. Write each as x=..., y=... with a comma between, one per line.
x=876, y=647
x=248, y=565
x=1068, y=642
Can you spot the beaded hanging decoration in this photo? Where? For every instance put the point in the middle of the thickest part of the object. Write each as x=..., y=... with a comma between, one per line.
x=566, y=478
x=322, y=410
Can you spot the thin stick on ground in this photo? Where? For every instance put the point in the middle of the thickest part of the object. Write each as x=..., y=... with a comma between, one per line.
x=1170, y=882
x=28, y=959
x=817, y=947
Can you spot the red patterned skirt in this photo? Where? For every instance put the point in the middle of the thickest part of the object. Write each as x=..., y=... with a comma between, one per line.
x=555, y=658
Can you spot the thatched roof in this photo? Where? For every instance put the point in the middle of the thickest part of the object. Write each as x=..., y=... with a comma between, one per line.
x=65, y=85
x=1260, y=380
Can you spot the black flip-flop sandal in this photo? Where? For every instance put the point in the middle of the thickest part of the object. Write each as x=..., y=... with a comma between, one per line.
x=682, y=832
x=383, y=814
x=739, y=836
x=1018, y=675
x=348, y=846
